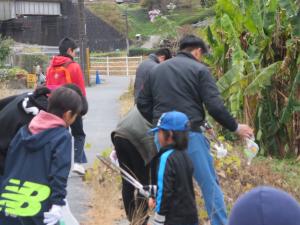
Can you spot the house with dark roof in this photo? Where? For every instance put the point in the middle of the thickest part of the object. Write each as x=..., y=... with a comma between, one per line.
x=45, y=22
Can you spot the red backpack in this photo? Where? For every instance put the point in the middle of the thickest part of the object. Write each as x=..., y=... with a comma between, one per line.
x=58, y=76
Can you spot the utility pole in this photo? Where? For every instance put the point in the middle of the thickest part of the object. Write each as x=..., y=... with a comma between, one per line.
x=83, y=41
x=127, y=39
x=126, y=21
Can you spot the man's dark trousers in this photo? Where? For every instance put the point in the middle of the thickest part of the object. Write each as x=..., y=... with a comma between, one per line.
x=130, y=160
x=79, y=140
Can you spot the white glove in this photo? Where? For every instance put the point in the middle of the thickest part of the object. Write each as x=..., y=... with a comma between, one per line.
x=148, y=191
x=53, y=216
x=114, y=158
x=159, y=219
x=10, y=215
x=221, y=150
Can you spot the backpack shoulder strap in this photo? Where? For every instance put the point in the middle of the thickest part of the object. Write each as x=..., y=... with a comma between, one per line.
x=67, y=64
x=63, y=68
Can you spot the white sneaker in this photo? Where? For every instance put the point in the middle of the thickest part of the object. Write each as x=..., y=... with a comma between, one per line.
x=78, y=168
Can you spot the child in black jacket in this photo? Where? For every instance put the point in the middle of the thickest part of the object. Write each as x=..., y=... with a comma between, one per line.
x=175, y=198
x=38, y=163
x=18, y=110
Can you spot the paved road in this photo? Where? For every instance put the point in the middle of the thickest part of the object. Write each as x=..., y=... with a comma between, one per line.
x=102, y=118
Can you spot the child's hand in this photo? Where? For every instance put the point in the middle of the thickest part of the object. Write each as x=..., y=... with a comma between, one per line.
x=151, y=203
x=53, y=216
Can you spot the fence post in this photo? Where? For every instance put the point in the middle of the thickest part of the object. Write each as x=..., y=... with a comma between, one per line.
x=88, y=65
x=107, y=65
x=127, y=69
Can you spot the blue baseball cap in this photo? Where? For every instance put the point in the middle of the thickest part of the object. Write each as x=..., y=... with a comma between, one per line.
x=176, y=121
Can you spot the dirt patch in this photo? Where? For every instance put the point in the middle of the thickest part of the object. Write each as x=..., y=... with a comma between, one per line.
x=106, y=204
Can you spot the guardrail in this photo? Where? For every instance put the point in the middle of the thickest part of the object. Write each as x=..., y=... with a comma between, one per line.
x=109, y=66
x=115, y=66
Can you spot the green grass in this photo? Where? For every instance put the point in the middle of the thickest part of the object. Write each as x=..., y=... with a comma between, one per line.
x=190, y=16
x=111, y=13
x=139, y=22
x=288, y=168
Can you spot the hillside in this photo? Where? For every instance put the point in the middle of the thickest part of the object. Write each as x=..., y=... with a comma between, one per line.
x=166, y=24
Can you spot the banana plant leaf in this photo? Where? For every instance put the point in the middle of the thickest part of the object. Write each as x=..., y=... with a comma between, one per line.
x=293, y=104
x=263, y=79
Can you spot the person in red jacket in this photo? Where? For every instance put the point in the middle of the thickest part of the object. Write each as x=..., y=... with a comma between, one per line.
x=62, y=70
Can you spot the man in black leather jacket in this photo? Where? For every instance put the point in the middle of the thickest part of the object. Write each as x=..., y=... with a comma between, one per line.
x=184, y=84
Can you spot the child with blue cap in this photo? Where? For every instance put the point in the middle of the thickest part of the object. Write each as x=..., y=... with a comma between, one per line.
x=175, y=199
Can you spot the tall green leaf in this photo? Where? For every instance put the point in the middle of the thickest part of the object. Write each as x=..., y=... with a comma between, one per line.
x=230, y=30
x=295, y=22
x=292, y=102
x=263, y=79
x=211, y=37
x=289, y=5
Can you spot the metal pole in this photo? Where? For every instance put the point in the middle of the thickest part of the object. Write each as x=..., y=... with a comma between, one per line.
x=107, y=65
x=126, y=21
x=83, y=41
x=127, y=39
x=127, y=69
x=88, y=63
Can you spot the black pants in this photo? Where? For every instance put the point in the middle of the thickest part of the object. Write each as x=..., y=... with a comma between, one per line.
x=130, y=160
x=9, y=220
x=33, y=221
x=21, y=221
x=79, y=140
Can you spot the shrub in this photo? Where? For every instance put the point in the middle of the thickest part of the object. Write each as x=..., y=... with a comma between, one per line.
x=28, y=62
x=12, y=73
x=140, y=51
x=196, y=18
x=5, y=44
x=109, y=54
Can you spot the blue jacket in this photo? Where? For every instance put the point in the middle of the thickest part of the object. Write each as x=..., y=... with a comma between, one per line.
x=36, y=172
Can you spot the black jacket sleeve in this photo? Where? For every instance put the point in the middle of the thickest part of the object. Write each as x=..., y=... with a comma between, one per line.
x=212, y=100
x=60, y=168
x=165, y=183
x=137, y=84
x=145, y=100
x=5, y=101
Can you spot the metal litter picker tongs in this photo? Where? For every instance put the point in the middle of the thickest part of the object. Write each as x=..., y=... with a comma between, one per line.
x=218, y=148
x=129, y=178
